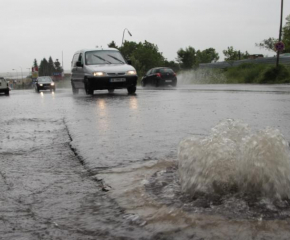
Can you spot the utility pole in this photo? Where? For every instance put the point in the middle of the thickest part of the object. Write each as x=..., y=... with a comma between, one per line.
x=280, y=33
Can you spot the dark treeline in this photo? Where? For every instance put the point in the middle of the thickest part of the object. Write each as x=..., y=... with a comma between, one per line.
x=48, y=68
x=146, y=55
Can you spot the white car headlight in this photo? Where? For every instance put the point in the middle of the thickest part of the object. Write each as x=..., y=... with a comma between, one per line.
x=99, y=74
x=52, y=84
x=41, y=84
x=131, y=72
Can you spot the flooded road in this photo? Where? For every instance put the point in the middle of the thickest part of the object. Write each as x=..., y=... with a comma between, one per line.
x=105, y=166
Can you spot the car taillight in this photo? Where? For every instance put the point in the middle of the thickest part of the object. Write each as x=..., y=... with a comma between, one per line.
x=174, y=74
x=158, y=75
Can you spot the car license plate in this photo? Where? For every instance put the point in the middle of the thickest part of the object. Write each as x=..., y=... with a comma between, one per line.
x=118, y=79
x=168, y=81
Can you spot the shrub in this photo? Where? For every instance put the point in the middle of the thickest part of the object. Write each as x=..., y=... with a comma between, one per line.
x=244, y=73
x=257, y=73
x=273, y=74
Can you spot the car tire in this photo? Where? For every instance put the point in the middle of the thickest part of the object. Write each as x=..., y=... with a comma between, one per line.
x=7, y=92
x=157, y=83
x=131, y=89
x=111, y=90
x=75, y=90
x=88, y=89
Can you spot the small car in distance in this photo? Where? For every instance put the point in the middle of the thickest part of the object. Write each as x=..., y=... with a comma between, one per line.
x=159, y=76
x=4, y=87
x=44, y=83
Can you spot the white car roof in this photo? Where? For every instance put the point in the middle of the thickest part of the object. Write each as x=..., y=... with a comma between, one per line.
x=96, y=49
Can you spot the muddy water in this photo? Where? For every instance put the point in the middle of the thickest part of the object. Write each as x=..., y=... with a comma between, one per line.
x=129, y=145
x=152, y=196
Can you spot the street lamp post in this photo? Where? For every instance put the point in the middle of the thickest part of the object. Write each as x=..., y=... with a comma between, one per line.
x=8, y=77
x=280, y=32
x=15, y=73
x=124, y=33
x=16, y=77
x=21, y=74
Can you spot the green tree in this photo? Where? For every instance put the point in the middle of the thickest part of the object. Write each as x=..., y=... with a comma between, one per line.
x=286, y=35
x=232, y=55
x=50, y=66
x=269, y=44
x=113, y=45
x=35, y=64
x=207, y=56
x=43, y=68
x=187, y=57
x=47, y=68
x=146, y=56
x=57, y=66
x=128, y=48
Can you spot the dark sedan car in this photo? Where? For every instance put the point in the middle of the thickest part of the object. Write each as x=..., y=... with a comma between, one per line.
x=44, y=83
x=159, y=76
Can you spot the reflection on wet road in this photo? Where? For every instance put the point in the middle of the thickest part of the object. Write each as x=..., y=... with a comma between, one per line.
x=150, y=125
x=120, y=142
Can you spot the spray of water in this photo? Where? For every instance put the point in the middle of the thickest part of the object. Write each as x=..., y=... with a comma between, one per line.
x=201, y=76
x=233, y=158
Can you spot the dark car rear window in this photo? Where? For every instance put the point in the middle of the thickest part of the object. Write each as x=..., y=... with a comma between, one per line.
x=165, y=70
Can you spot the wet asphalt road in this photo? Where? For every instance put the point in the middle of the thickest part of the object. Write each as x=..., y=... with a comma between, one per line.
x=53, y=145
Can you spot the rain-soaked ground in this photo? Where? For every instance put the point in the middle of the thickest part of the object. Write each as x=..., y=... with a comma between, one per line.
x=106, y=166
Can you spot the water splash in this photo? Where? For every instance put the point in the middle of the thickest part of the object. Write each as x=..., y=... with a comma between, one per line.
x=234, y=159
x=201, y=76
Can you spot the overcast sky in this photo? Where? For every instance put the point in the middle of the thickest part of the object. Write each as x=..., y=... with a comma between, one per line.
x=42, y=28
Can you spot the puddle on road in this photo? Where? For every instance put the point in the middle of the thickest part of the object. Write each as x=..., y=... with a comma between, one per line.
x=151, y=192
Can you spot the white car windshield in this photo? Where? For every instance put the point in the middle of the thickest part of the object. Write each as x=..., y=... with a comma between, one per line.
x=104, y=57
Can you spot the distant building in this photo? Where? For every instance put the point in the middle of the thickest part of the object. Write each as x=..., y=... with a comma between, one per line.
x=255, y=56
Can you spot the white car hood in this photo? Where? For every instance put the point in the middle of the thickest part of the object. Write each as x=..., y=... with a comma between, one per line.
x=109, y=68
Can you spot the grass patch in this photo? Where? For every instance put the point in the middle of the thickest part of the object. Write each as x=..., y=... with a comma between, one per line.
x=257, y=73
x=273, y=74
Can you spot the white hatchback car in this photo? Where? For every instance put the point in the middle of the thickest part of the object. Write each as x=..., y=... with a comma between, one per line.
x=4, y=87
x=99, y=69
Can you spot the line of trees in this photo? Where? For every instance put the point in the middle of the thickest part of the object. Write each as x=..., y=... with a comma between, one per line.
x=48, y=68
x=147, y=55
